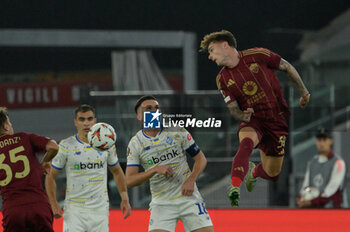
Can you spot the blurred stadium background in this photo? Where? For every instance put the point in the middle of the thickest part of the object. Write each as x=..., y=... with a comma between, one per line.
x=54, y=56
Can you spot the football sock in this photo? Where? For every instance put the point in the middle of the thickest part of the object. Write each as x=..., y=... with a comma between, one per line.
x=240, y=164
x=260, y=172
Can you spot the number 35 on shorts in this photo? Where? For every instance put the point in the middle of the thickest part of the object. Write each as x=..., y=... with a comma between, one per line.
x=282, y=144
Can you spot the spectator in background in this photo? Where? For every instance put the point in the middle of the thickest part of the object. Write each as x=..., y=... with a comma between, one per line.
x=324, y=175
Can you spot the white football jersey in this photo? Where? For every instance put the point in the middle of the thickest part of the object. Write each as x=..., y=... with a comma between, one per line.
x=86, y=172
x=168, y=147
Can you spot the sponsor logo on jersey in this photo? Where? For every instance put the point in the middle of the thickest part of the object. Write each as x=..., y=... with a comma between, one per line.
x=168, y=156
x=250, y=88
x=89, y=165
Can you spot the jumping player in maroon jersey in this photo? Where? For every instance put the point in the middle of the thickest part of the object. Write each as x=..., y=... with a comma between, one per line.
x=253, y=96
x=25, y=206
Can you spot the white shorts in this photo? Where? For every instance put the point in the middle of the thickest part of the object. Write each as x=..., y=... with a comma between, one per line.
x=193, y=216
x=77, y=220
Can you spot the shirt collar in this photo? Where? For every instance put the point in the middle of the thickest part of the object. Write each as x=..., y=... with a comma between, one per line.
x=144, y=134
x=323, y=159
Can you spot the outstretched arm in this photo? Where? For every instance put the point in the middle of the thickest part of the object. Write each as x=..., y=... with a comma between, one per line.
x=295, y=77
x=238, y=114
x=200, y=162
x=119, y=179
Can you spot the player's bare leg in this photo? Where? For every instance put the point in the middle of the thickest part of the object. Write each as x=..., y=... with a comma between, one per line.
x=204, y=229
x=272, y=165
x=248, y=140
x=269, y=169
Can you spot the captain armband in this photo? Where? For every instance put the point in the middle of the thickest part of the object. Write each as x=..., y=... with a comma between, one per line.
x=193, y=150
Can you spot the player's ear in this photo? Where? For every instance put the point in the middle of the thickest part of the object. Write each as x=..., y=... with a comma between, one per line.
x=330, y=141
x=139, y=115
x=6, y=127
x=75, y=121
x=3, y=127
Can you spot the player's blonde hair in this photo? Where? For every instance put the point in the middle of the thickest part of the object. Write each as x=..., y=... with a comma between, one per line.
x=3, y=117
x=218, y=36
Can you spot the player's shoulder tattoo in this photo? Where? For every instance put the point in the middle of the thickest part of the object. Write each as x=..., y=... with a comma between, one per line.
x=254, y=51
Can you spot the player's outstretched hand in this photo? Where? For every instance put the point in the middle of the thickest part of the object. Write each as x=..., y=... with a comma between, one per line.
x=187, y=187
x=247, y=114
x=56, y=210
x=126, y=208
x=304, y=100
x=165, y=170
x=46, y=166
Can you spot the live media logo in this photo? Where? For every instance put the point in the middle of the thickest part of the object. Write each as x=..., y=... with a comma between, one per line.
x=151, y=119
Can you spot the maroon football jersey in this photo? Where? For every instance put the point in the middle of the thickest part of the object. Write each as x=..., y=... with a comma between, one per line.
x=21, y=174
x=253, y=84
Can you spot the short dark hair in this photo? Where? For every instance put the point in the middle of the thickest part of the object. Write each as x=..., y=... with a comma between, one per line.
x=323, y=133
x=84, y=108
x=3, y=117
x=142, y=99
x=218, y=36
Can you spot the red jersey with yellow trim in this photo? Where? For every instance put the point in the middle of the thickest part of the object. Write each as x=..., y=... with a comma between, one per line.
x=20, y=171
x=253, y=84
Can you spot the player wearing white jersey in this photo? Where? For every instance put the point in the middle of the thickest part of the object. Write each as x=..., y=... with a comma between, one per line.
x=86, y=204
x=162, y=154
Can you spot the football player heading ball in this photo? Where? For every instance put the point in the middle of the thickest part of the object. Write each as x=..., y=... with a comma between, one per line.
x=254, y=97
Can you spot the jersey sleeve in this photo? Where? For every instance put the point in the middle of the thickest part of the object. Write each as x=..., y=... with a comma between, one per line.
x=336, y=180
x=306, y=178
x=226, y=94
x=61, y=158
x=271, y=59
x=334, y=184
x=112, y=158
x=38, y=142
x=188, y=143
x=133, y=153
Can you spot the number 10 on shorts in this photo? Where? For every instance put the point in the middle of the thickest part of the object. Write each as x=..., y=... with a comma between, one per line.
x=201, y=208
